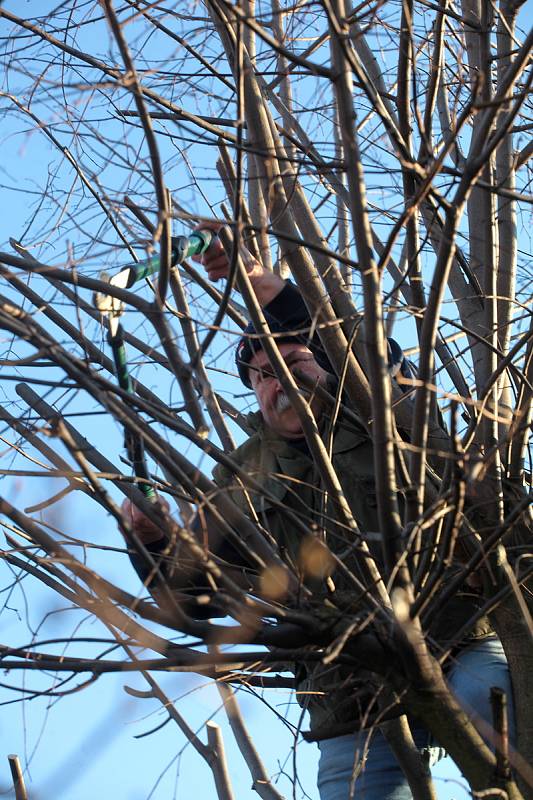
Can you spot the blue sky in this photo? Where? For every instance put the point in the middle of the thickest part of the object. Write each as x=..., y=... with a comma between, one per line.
x=83, y=745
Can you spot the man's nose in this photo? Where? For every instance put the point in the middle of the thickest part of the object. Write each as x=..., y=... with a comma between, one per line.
x=275, y=385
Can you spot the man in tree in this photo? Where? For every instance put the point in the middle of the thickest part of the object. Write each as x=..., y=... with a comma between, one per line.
x=343, y=702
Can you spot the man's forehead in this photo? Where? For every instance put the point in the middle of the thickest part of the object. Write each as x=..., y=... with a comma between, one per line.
x=260, y=358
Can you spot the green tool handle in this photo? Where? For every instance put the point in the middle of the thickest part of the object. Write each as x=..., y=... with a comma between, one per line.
x=118, y=348
x=133, y=443
x=194, y=245
x=182, y=247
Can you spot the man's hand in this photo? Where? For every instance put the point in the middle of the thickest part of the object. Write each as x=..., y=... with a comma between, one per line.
x=215, y=260
x=143, y=527
x=266, y=284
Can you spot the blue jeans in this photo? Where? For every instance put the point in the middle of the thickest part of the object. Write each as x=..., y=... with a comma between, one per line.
x=363, y=767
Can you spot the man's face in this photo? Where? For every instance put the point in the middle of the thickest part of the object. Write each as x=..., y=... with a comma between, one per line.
x=273, y=402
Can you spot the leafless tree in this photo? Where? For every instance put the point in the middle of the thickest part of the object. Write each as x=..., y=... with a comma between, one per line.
x=379, y=156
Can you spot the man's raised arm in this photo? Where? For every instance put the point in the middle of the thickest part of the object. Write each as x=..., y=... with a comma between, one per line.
x=265, y=283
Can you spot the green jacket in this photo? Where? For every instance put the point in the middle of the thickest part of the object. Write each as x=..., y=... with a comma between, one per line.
x=337, y=699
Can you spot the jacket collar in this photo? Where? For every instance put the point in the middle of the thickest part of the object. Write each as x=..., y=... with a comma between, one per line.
x=347, y=436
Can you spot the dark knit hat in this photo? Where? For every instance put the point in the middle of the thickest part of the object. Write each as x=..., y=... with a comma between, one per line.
x=250, y=344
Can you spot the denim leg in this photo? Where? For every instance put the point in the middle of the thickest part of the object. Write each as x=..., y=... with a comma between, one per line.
x=365, y=769
x=476, y=669
x=376, y=773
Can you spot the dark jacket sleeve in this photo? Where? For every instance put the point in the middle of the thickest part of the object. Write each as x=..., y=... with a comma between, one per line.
x=182, y=575
x=289, y=309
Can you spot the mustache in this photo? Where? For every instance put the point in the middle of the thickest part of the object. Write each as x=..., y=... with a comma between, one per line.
x=282, y=403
